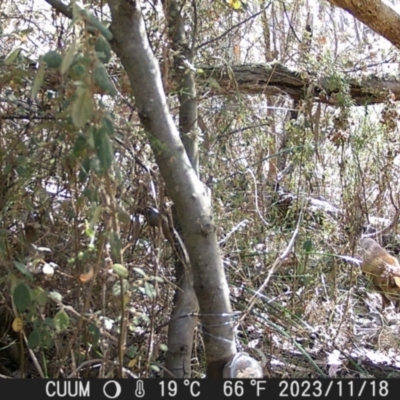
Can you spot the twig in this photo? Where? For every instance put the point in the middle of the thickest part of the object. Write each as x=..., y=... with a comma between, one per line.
x=33, y=357
x=235, y=228
x=100, y=361
x=73, y=311
x=230, y=29
x=275, y=265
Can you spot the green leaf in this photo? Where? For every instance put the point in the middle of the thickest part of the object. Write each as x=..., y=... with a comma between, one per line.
x=39, y=296
x=307, y=246
x=84, y=170
x=104, y=149
x=48, y=323
x=22, y=268
x=131, y=351
x=78, y=70
x=103, y=80
x=140, y=271
x=56, y=296
x=163, y=347
x=96, y=216
x=120, y=270
x=12, y=56
x=45, y=333
x=82, y=109
x=61, y=321
x=26, y=32
x=149, y=290
x=38, y=81
x=22, y=297
x=53, y=59
x=108, y=125
x=155, y=368
x=103, y=49
x=95, y=332
x=80, y=146
x=95, y=166
x=91, y=194
x=116, y=289
x=94, y=22
x=68, y=57
x=116, y=244
x=34, y=339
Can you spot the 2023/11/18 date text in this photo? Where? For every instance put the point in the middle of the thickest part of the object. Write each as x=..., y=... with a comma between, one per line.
x=334, y=388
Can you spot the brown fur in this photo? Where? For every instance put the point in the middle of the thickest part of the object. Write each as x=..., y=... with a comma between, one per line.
x=383, y=270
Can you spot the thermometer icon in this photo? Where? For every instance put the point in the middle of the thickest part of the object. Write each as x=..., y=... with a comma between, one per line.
x=139, y=392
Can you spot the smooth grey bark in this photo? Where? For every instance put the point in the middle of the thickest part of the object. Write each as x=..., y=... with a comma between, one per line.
x=181, y=327
x=183, y=60
x=188, y=193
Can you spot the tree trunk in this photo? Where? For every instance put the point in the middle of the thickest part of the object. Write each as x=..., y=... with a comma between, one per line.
x=188, y=193
x=182, y=325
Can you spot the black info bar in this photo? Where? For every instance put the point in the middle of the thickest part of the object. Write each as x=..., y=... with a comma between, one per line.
x=125, y=389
